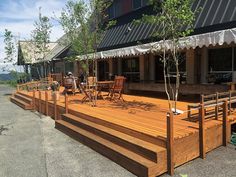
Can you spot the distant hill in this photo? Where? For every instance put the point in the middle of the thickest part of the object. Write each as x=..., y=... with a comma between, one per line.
x=5, y=77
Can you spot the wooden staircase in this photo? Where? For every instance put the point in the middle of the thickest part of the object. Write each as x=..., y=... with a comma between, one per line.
x=146, y=158
x=22, y=101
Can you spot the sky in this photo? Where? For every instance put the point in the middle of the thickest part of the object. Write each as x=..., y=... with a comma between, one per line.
x=18, y=16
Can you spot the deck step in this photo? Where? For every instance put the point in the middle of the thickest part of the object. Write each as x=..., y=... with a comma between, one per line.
x=133, y=162
x=160, y=141
x=141, y=147
x=21, y=103
x=23, y=98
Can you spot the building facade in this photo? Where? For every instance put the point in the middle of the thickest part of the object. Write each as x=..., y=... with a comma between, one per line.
x=206, y=64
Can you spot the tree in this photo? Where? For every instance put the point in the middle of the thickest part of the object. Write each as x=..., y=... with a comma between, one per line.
x=83, y=21
x=10, y=48
x=176, y=20
x=41, y=38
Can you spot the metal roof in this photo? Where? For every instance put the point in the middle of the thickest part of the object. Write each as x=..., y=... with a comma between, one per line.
x=27, y=53
x=215, y=15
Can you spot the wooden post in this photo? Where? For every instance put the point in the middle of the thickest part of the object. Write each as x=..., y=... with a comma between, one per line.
x=230, y=106
x=55, y=107
x=46, y=103
x=202, y=132
x=17, y=88
x=40, y=97
x=217, y=107
x=66, y=103
x=225, y=122
x=170, y=142
x=33, y=100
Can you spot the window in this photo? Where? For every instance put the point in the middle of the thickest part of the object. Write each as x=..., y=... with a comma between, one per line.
x=137, y=4
x=220, y=59
x=131, y=69
x=118, y=8
x=111, y=11
x=220, y=65
x=69, y=67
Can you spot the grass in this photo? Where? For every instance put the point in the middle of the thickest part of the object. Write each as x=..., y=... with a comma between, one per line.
x=11, y=83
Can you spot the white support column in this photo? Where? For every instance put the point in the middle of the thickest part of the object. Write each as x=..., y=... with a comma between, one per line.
x=190, y=67
x=151, y=67
x=204, y=65
x=141, y=67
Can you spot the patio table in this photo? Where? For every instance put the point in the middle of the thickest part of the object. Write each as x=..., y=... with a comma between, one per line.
x=104, y=84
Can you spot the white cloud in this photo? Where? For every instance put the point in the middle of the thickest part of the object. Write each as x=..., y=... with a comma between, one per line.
x=18, y=16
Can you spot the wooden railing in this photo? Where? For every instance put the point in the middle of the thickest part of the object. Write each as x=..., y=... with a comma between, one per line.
x=221, y=104
x=202, y=118
x=35, y=85
x=57, y=77
x=212, y=99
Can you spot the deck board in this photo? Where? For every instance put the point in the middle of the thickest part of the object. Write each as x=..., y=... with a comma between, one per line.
x=142, y=114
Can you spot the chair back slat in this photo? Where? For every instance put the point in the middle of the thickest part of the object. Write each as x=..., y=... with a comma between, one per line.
x=119, y=83
x=68, y=81
x=91, y=81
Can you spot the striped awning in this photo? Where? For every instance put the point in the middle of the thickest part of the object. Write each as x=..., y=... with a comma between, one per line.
x=213, y=38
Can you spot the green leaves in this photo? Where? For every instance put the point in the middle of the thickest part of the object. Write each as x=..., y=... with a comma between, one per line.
x=41, y=35
x=83, y=23
x=10, y=48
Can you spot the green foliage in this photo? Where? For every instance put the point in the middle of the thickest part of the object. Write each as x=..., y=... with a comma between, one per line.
x=41, y=38
x=10, y=49
x=82, y=21
x=16, y=76
x=175, y=19
x=41, y=34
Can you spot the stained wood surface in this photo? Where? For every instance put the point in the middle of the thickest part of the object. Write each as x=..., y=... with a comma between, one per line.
x=143, y=114
x=133, y=133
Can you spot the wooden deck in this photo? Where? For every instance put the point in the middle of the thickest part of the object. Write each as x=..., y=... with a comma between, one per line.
x=132, y=133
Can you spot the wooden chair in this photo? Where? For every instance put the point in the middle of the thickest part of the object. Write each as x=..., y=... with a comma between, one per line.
x=89, y=90
x=69, y=85
x=117, y=89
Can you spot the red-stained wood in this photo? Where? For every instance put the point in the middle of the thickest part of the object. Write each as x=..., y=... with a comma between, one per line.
x=40, y=104
x=33, y=100
x=202, y=137
x=66, y=103
x=225, y=122
x=46, y=103
x=55, y=107
x=170, y=144
x=123, y=130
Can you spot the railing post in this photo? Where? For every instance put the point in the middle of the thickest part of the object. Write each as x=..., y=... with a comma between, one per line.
x=46, y=103
x=33, y=99
x=170, y=141
x=217, y=107
x=17, y=88
x=225, y=122
x=202, y=140
x=66, y=103
x=40, y=97
x=230, y=97
x=55, y=107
